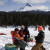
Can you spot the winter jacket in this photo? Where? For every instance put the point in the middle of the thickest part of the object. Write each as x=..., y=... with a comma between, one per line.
x=15, y=34
x=21, y=33
x=27, y=35
x=40, y=37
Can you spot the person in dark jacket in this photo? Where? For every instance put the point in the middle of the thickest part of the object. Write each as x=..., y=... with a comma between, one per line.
x=35, y=27
x=49, y=28
x=26, y=34
x=43, y=27
x=39, y=39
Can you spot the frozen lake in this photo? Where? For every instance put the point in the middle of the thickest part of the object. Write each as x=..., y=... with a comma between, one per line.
x=4, y=39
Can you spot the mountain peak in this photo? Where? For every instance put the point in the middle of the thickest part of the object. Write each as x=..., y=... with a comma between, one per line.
x=27, y=4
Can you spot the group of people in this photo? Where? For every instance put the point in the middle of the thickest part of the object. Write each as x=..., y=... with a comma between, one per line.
x=22, y=36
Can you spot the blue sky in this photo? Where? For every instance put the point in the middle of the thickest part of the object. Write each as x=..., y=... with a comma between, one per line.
x=12, y=5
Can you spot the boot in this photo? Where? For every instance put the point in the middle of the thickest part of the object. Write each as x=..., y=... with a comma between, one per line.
x=22, y=49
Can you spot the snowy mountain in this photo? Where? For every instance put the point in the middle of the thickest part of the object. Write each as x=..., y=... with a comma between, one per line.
x=29, y=7
x=26, y=5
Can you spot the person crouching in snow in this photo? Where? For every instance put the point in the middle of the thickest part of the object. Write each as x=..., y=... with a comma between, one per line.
x=17, y=40
x=39, y=39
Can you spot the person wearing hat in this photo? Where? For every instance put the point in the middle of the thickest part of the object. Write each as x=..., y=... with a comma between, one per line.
x=39, y=39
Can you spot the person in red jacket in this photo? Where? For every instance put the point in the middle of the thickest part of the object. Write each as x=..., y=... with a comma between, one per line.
x=21, y=30
x=17, y=40
x=16, y=35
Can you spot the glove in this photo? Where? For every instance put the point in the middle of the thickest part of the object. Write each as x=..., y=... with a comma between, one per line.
x=23, y=35
x=27, y=35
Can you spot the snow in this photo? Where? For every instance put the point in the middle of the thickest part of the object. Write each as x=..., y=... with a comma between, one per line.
x=4, y=39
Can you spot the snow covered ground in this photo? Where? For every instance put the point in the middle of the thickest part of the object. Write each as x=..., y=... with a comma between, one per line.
x=4, y=39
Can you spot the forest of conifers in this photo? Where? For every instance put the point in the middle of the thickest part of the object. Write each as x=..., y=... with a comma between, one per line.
x=25, y=18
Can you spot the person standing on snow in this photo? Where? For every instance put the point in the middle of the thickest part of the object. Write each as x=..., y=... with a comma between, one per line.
x=43, y=27
x=21, y=31
x=26, y=34
x=49, y=28
x=39, y=39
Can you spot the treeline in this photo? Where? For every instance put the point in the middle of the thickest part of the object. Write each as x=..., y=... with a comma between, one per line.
x=25, y=18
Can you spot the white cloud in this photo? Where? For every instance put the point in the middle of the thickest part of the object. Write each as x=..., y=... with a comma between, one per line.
x=2, y=2
x=30, y=1
x=48, y=0
x=44, y=8
x=20, y=1
x=37, y=1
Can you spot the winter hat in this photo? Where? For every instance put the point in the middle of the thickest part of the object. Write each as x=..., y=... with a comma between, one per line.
x=16, y=29
x=40, y=28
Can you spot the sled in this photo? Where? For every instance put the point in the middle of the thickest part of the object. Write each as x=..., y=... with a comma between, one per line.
x=32, y=41
x=10, y=47
x=2, y=34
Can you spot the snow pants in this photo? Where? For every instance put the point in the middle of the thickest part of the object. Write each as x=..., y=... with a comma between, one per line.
x=37, y=47
x=21, y=43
